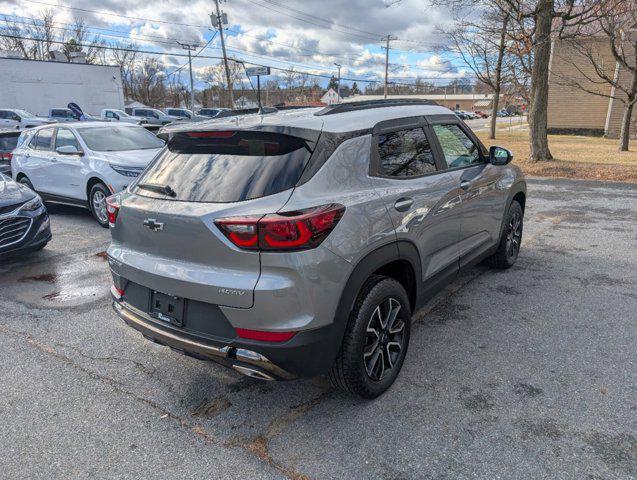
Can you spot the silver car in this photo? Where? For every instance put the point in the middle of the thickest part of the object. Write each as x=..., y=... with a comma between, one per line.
x=299, y=243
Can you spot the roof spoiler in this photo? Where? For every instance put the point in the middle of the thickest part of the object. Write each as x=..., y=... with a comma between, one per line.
x=368, y=104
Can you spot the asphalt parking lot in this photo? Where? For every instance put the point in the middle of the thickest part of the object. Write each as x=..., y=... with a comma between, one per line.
x=523, y=374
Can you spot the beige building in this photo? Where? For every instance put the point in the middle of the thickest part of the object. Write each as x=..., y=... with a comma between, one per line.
x=461, y=101
x=572, y=109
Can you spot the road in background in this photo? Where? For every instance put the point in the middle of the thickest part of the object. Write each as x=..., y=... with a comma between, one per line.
x=527, y=373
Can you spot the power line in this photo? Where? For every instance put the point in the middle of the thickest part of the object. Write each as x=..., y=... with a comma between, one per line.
x=183, y=55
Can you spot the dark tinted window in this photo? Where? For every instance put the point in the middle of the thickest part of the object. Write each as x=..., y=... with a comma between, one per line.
x=4, y=115
x=8, y=142
x=459, y=150
x=62, y=113
x=227, y=167
x=43, y=139
x=64, y=138
x=405, y=153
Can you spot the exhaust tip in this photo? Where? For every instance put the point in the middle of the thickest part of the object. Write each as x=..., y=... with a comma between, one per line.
x=254, y=373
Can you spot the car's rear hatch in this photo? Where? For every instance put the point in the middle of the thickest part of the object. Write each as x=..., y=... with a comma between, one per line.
x=165, y=239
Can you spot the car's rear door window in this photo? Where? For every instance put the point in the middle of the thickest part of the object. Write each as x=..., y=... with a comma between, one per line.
x=405, y=153
x=227, y=166
x=43, y=139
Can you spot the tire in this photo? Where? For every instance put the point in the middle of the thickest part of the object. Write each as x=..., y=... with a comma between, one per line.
x=510, y=240
x=24, y=180
x=97, y=203
x=361, y=365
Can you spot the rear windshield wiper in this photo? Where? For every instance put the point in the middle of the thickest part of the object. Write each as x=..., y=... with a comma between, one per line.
x=155, y=187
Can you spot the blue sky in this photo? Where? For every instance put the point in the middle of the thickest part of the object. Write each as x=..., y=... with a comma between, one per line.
x=309, y=36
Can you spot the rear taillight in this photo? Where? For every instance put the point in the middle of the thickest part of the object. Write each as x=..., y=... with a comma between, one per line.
x=299, y=230
x=112, y=209
x=6, y=156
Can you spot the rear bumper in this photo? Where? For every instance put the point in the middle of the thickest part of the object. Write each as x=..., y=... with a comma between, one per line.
x=307, y=354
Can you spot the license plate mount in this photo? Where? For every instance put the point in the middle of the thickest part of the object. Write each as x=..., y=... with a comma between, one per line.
x=167, y=308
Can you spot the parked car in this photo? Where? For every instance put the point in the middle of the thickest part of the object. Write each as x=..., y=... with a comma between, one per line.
x=461, y=114
x=245, y=243
x=152, y=115
x=211, y=112
x=62, y=115
x=185, y=114
x=19, y=119
x=481, y=114
x=82, y=163
x=116, y=115
x=8, y=142
x=24, y=222
x=502, y=113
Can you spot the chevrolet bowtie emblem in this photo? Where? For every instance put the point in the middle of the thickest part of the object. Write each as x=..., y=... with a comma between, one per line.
x=153, y=224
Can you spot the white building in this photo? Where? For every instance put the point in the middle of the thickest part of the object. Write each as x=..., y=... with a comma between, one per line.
x=331, y=97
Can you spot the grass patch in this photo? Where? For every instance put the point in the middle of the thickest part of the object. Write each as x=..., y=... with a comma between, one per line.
x=575, y=156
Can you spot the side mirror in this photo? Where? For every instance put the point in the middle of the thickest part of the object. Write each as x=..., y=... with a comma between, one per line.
x=69, y=150
x=500, y=156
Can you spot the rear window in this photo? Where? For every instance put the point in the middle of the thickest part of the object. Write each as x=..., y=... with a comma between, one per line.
x=227, y=166
x=8, y=142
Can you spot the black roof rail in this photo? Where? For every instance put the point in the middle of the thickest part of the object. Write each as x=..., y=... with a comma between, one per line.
x=367, y=104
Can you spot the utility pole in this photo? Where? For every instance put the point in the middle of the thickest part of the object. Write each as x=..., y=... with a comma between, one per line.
x=190, y=47
x=386, y=47
x=338, y=85
x=219, y=22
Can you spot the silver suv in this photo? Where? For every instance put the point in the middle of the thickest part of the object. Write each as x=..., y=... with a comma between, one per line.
x=299, y=243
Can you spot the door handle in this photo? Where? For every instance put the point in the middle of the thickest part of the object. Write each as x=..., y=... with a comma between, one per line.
x=465, y=184
x=403, y=204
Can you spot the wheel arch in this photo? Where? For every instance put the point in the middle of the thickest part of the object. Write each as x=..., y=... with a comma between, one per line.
x=90, y=183
x=398, y=260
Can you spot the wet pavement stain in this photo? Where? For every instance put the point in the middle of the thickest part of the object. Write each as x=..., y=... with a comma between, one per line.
x=211, y=408
x=540, y=428
x=475, y=401
x=507, y=290
x=44, y=277
x=617, y=451
x=526, y=390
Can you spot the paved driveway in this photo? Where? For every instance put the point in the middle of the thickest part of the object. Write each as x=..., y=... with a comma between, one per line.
x=528, y=373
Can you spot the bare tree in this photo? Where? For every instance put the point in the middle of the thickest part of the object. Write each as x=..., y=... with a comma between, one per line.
x=125, y=58
x=481, y=43
x=36, y=38
x=544, y=20
x=617, y=33
x=216, y=76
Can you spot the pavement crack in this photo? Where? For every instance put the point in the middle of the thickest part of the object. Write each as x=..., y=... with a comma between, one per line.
x=257, y=446
x=260, y=445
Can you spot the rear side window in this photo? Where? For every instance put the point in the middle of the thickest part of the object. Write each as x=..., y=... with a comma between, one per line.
x=405, y=153
x=227, y=166
x=42, y=139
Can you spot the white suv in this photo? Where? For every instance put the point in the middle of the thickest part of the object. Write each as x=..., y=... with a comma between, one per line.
x=19, y=119
x=82, y=163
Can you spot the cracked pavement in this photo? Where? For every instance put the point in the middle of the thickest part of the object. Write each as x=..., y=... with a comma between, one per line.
x=528, y=373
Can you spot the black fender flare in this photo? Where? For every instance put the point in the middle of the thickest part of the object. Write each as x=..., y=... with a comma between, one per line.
x=518, y=187
x=384, y=255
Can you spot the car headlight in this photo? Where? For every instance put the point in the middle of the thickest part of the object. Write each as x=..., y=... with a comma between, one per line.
x=127, y=171
x=32, y=205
